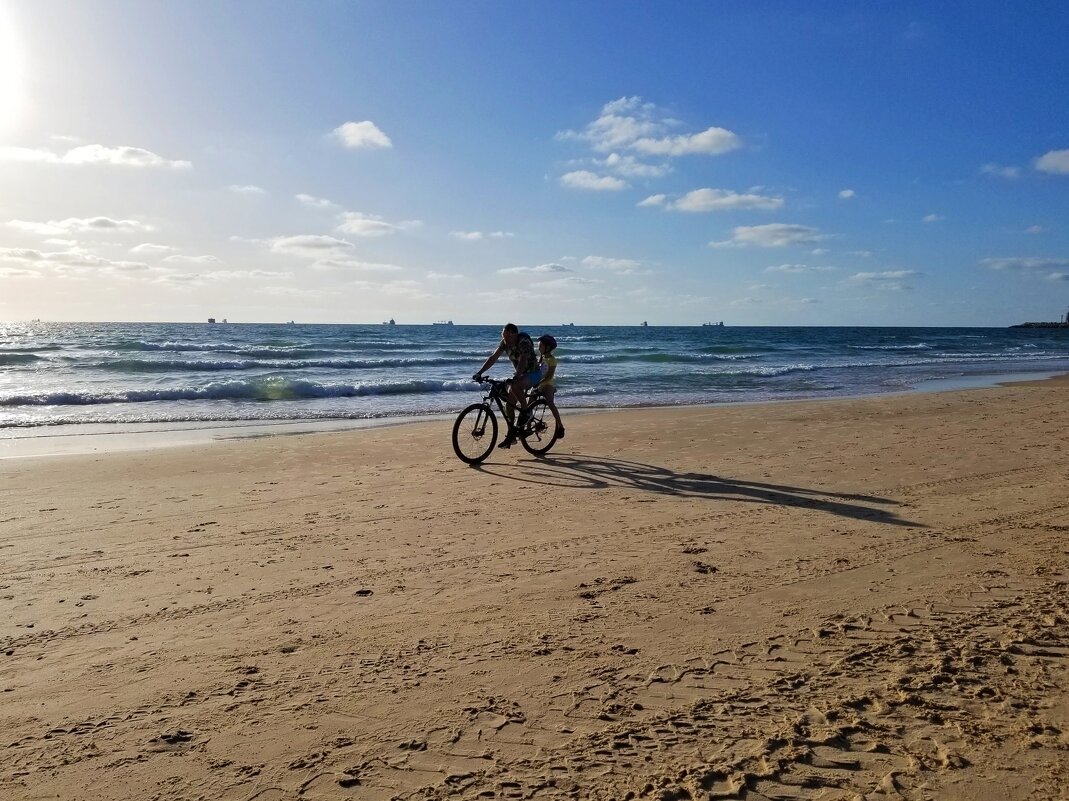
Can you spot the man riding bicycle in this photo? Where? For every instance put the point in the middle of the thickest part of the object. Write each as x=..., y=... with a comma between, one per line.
x=520, y=349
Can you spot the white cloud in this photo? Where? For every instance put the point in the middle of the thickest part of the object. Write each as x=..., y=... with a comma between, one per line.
x=20, y=254
x=565, y=283
x=631, y=167
x=1035, y=229
x=247, y=189
x=310, y=245
x=74, y=260
x=797, y=269
x=1025, y=263
x=654, y=200
x=148, y=247
x=846, y=194
x=433, y=276
x=315, y=202
x=541, y=268
x=355, y=266
x=624, y=266
x=95, y=154
x=630, y=124
x=889, y=279
x=703, y=200
x=81, y=225
x=931, y=218
x=371, y=225
x=1001, y=171
x=192, y=260
x=235, y=275
x=773, y=235
x=711, y=141
x=476, y=236
x=1055, y=162
x=584, y=179
x=362, y=136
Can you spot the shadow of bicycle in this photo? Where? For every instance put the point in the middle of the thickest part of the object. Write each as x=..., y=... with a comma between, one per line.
x=578, y=471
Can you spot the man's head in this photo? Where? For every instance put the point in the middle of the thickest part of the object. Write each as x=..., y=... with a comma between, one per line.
x=509, y=333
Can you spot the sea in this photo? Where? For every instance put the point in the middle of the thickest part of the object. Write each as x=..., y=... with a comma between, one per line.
x=113, y=375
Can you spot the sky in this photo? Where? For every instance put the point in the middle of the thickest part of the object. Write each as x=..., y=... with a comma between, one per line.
x=676, y=162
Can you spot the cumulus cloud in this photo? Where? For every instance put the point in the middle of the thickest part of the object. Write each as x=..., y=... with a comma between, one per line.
x=247, y=189
x=235, y=275
x=773, y=235
x=797, y=269
x=476, y=236
x=592, y=182
x=75, y=259
x=653, y=200
x=363, y=135
x=192, y=260
x=631, y=167
x=1055, y=162
x=354, y=265
x=1000, y=171
x=95, y=154
x=567, y=282
x=888, y=279
x=310, y=245
x=540, y=269
x=80, y=225
x=149, y=248
x=631, y=124
x=629, y=130
x=371, y=225
x=846, y=194
x=704, y=200
x=931, y=218
x=315, y=202
x=1025, y=263
x=624, y=266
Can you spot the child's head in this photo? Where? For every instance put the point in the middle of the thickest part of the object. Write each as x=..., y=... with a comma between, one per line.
x=546, y=343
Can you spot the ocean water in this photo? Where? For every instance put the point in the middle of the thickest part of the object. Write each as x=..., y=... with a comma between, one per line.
x=134, y=373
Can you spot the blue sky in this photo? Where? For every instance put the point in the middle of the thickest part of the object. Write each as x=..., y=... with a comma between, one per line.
x=759, y=163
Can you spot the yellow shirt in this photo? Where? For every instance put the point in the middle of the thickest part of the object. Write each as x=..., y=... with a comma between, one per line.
x=548, y=361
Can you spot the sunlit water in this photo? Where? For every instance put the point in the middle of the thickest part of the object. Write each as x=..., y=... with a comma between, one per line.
x=126, y=373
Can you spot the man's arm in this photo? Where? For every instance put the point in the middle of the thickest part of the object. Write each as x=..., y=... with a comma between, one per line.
x=491, y=360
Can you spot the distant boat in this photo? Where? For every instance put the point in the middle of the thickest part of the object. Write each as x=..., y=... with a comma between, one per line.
x=211, y=320
x=290, y=323
x=714, y=325
x=443, y=322
x=644, y=323
x=568, y=325
x=390, y=322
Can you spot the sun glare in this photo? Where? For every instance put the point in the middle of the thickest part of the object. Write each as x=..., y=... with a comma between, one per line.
x=11, y=100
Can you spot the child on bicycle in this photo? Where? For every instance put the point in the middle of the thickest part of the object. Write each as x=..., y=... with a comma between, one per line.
x=547, y=378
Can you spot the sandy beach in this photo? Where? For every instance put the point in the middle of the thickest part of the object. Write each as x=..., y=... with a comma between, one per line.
x=848, y=599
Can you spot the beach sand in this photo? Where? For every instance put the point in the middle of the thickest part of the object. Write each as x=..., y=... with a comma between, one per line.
x=851, y=599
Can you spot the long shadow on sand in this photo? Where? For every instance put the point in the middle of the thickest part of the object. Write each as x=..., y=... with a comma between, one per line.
x=578, y=471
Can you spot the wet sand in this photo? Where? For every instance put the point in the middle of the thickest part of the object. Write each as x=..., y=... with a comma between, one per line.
x=845, y=599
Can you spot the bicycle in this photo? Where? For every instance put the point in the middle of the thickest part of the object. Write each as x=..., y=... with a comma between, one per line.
x=475, y=430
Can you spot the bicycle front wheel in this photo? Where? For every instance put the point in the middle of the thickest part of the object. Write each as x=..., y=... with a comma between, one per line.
x=475, y=433
x=540, y=432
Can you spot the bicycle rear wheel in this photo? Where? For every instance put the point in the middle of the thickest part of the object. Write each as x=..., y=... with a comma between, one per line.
x=474, y=433
x=540, y=432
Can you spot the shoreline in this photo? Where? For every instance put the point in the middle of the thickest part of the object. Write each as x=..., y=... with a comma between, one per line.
x=66, y=440
x=696, y=600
